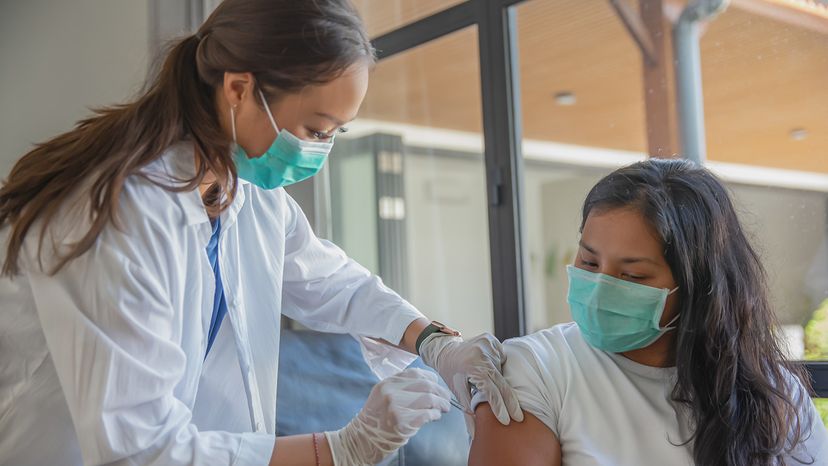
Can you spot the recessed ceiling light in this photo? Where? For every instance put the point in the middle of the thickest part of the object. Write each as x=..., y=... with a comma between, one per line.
x=799, y=134
x=565, y=98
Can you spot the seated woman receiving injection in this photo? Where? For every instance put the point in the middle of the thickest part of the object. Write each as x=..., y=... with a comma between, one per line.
x=673, y=357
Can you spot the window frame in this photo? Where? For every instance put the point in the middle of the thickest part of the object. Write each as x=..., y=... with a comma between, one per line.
x=500, y=88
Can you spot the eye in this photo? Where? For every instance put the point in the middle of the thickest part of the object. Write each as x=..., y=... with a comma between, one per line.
x=633, y=277
x=319, y=135
x=589, y=264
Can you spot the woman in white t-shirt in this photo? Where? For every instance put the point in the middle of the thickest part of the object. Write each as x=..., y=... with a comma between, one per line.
x=673, y=358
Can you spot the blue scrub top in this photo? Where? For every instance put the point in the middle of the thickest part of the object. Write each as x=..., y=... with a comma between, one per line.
x=219, y=303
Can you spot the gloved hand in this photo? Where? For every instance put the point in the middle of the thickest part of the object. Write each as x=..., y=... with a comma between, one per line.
x=478, y=362
x=396, y=409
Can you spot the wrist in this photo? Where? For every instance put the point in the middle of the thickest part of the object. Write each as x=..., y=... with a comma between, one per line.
x=433, y=349
x=333, y=442
x=345, y=446
x=435, y=328
x=323, y=450
x=358, y=444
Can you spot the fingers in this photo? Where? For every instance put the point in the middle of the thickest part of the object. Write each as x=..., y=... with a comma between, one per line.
x=509, y=397
x=424, y=417
x=500, y=395
x=487, y=386
x=431, y=401
x=415, y=389
x=420, y=381
x=415, y=373
x=486, y=376
x=492, y=345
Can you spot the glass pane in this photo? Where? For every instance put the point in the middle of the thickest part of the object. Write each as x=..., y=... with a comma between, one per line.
x=766, y=109
x=584, y=114
x=383, y=16
x=408, y=184
x=577, y=127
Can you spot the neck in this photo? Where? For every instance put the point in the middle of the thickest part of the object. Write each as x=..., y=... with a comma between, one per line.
x=209, y=177
x=659, y=353
x=206, y=184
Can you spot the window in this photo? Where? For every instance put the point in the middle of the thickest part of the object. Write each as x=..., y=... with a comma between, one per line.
x=766, y=127
x=408, y=192
x=382, y=16
x=576, y=129
x=593, y=94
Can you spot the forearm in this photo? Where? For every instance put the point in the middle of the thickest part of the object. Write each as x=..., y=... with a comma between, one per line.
x=298, y=450
x=413, y=331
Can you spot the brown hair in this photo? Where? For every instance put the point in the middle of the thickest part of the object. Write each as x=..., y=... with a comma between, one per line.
x=733, y=383
x=286, y=44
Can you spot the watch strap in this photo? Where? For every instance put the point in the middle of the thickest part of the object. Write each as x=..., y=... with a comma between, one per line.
x=431, y=329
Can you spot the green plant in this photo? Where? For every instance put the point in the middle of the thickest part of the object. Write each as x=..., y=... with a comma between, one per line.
x=816, y=348
x=822, y=407
x=816, y=334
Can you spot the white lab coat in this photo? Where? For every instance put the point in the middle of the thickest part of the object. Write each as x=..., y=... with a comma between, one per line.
x=103, y=362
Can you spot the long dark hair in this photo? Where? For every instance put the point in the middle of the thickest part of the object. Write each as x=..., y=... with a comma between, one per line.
x=286, y=44
x=733, y=381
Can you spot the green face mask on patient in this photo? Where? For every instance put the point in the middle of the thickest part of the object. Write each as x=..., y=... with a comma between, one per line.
x=616, y=315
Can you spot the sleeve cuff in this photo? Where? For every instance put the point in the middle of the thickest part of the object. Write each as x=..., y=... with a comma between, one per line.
x=255, y=449
x=400, y=322
x=386, y=360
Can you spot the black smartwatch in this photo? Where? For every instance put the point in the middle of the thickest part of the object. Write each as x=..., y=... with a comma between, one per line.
x=434, y=327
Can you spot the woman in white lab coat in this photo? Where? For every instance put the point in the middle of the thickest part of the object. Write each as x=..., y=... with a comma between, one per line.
x=149, y=253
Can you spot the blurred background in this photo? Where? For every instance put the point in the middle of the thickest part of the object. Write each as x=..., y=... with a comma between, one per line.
x=413, y=190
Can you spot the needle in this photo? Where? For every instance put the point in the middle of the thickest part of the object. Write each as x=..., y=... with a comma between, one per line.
x=457, y=405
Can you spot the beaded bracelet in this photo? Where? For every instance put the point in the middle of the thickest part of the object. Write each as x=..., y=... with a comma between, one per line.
x=316, y=449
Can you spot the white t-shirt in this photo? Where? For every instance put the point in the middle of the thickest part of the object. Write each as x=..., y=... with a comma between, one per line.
x=608, y=410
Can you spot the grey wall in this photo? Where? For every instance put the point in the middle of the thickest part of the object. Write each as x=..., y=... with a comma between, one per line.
x=58, y=59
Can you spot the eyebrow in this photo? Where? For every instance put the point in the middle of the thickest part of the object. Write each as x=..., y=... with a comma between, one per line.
x=334, y=119
x=625, y=260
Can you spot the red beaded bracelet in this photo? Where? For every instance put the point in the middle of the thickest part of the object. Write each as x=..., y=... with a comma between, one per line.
x=316, y=449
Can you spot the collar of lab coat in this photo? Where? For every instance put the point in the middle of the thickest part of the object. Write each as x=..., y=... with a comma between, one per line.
x=178, y=163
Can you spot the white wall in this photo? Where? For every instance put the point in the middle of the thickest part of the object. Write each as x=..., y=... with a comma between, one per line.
x=59, y=58
x=448, y=241
x=551, y=216
x=787, y=228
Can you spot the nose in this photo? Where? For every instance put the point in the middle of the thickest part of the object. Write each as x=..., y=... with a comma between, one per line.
x=609, y=269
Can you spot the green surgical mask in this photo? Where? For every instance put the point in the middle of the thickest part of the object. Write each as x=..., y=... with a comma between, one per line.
x=289, y=159
x=616, y=315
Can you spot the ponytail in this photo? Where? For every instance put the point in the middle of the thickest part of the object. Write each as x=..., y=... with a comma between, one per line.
x=286, y=45
x=108, y=147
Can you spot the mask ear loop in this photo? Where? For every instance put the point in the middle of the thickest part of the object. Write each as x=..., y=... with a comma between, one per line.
x=269, y=115
x=674, y=319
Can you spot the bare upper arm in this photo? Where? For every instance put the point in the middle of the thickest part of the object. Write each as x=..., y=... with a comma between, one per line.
x=527, y=443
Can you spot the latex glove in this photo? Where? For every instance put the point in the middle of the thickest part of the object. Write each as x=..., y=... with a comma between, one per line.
x=477, y=361
x=395, y=410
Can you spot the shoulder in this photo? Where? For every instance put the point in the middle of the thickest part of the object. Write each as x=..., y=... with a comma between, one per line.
x=539, y=368
x=151, y=210
x=148, y=218
x=274, y=203
x=548, y=348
